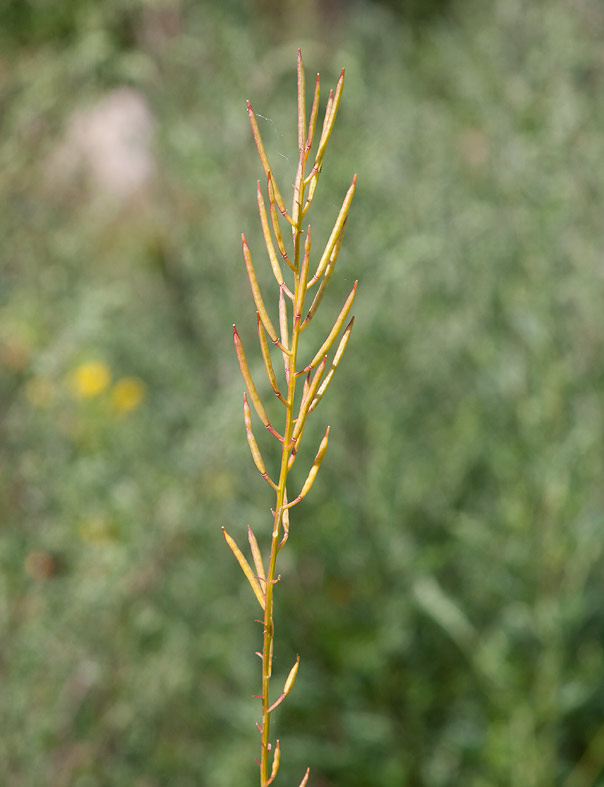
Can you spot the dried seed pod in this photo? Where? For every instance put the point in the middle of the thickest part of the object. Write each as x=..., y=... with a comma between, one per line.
x=335, y=330
x=256, y=553
x=268, y=365
x=276, y=760
x=245, y=373
x=326, y=277
x=334, y=365
x=304, y=781
x=288, y=685
x=247, y=570
x=264, y=159
x=312, y=123
x=255, y=451
x=301, y=104
x=268, y=241
x=313, y=470
x=266, y=320
x=335, y=233
x=272, y=198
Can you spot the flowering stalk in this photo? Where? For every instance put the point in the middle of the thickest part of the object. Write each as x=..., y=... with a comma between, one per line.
x=310, y=377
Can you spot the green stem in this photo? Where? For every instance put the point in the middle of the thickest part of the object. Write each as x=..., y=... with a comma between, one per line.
x=269, y=632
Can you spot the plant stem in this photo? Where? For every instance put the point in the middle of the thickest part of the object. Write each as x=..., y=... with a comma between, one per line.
x=299, y=294
x=314, y=384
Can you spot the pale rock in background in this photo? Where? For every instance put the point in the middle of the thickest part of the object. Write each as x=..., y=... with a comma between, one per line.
x=110, y=143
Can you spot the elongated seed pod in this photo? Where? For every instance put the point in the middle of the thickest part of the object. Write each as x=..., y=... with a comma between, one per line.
x=255, y=451
x=301, y=104
x=266, y=320
x=247, y=377
x=288, y=685
x=335, y=330
x=276, y=760
x=247, y=570
x=270, y=185
x=256, y=553
x=306, y=386
x=325, y=280
x=263, y=157
x=268, y=240
x=299, y=305
x=256, y=455
x=312, y=123
x=328, y=123
x=307, y=399
x=335, y=233
x=266, y=357
x=284, y=333
x=313, y=470
x=332, y=369
x=330, y=117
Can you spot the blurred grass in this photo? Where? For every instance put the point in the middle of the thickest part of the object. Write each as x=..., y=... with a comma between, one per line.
x=444, y=580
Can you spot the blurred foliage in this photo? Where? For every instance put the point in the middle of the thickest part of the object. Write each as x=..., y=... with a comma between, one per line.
x=445, y=577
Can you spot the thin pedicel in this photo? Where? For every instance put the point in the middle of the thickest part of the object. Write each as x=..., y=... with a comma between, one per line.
x=314, y=378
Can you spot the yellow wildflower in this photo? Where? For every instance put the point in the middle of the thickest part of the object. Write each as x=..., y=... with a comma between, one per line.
x=90, y=379
x=127, y=394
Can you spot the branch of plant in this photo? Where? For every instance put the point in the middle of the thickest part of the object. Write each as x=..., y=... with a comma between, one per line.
x=287, y=339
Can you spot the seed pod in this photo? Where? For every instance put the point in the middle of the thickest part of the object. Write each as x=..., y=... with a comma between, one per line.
x=245, y=373
x=266, y=320
x=335, y=330
x=268, y=364
x=312, y=123
x=263, y=157
x=301, y=104
x=334, y=365
x=304, y=781
x=288, y=685
x=335, y=233
x=313, y=470
x=246, y=568
x=256, y=553
x=275, y=768
x=268, y=240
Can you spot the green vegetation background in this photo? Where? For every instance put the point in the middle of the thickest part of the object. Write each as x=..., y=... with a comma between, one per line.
x=444, y=580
